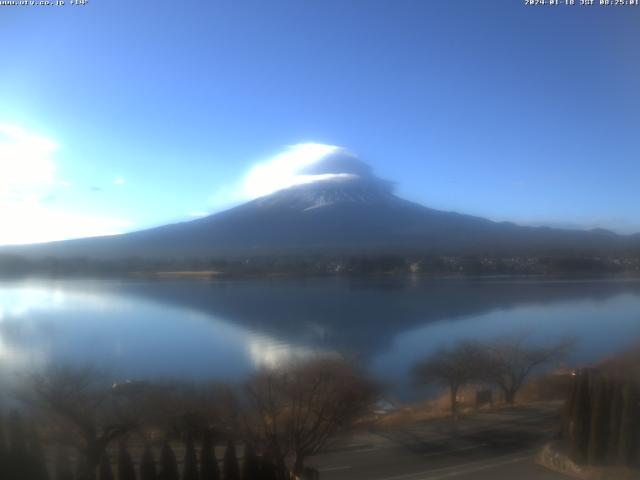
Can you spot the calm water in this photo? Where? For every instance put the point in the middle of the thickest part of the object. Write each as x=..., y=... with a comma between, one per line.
x=226, y=329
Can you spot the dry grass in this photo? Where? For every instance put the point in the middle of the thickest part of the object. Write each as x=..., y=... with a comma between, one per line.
x=439, y=407
x=549, y=387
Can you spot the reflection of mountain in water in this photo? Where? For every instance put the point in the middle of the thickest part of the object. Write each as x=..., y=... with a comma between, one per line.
x=359, y=315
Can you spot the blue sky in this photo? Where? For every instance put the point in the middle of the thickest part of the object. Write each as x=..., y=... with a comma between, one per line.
x=121, y=115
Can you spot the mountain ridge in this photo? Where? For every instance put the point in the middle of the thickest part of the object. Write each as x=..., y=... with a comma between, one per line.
x=343, y=214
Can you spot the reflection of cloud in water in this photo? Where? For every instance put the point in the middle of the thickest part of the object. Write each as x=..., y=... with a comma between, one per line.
x=19, y=300
x=24, y=341
x=18, y=356
x=265, y=352
x=25, y=332
x=131, y=336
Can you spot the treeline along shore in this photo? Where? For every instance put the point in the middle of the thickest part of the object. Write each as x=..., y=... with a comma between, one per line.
x=344, y=264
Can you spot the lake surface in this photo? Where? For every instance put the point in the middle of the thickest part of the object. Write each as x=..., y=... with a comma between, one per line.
x=224, y=330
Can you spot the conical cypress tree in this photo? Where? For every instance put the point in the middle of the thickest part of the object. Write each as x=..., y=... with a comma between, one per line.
x=628, y=441
x=17, y=440
x=190, y=469
x=615, y=417
x=18, y=457
x=251, y=465
x=268, y=469
x=209, y=469
x=168, y=464
x=600, y=420
x=230, y=463
x=4, y=451
x=104, y=470
x=147, y=465
x=83, y=471
x=62, y=465
x=38, y=462
x=125, y=465
x=569, y=408
x=581, y=422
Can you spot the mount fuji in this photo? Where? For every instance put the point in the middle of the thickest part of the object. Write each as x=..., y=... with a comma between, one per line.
x=339, y=207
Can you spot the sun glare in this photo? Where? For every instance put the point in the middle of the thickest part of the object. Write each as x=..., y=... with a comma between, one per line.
x=25, y=162
x=27, y=178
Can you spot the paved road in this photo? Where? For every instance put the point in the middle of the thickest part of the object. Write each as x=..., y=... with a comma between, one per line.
x=498, y=445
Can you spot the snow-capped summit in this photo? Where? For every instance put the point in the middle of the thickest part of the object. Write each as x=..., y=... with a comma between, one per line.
x=338, y=178
x=334, y=191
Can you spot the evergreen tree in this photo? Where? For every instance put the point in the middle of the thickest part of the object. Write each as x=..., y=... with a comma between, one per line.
x=615, y=417
x=147, y=465
x=168, y=464
x=268, y=469
x=569, y=409
x=190, y=469
x=83, y=470
x=628, y=441
x=600, y=420
x=126, y=471
x=251, y=465
x=104, y=470
x=38, y=463
x=62, y=465
x=230, y=463
x=4, y=451
x=581, y=419
x=209, y=469
x=18, y=455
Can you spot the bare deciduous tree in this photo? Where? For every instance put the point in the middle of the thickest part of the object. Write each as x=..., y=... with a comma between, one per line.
x=296, y=410
x=81, y=409
x=509, y=361
x=453, y=367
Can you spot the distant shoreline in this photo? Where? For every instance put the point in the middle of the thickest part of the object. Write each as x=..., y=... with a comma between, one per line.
x=180, y=274
x=212, y=275
x=345, y=265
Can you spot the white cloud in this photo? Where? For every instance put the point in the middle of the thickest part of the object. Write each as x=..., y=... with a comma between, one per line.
x=275, y=173
x=27, y=179
x=198, y=213
x=118, y=181
x=25, y=162
x=282, y=170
